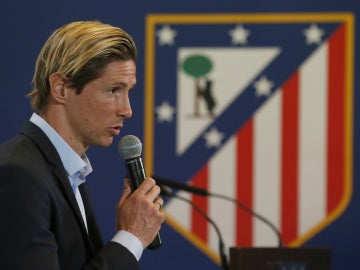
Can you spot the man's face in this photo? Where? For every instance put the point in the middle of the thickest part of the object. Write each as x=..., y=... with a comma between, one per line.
x=97, y=114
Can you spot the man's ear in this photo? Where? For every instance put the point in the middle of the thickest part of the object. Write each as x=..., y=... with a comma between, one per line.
x=57, y=87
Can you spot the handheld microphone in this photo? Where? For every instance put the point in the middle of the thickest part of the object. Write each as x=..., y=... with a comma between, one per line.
x=162, y=182
x=130, y=148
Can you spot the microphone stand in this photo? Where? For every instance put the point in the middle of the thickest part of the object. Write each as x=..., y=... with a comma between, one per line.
x=203, y=192
x=223, y=258
x=251, y=212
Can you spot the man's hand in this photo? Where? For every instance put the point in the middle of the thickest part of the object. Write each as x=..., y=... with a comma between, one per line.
x=138, y=212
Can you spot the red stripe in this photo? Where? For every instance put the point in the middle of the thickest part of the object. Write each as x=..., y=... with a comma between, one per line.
x=199, y=225
x=289, y=167
x=335, y=142
x=244, y=183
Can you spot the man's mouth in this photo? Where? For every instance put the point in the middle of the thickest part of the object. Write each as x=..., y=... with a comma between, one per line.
x=115, y=131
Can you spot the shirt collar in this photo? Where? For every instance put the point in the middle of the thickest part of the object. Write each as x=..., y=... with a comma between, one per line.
x=73, y=163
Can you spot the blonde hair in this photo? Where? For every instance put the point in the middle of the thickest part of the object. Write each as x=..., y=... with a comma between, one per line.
x=79, y=51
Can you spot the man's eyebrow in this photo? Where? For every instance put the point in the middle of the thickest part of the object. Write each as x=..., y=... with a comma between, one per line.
x=123, y=84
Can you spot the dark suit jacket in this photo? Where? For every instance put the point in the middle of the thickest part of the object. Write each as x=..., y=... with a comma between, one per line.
x=40, y=223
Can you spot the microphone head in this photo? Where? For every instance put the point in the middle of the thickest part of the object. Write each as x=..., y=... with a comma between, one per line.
x=129, y=147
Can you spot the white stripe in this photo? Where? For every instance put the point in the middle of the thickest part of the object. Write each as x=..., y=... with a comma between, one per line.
x=267, y=141
x=180, y=210
x=312, y=148
x=222, y=180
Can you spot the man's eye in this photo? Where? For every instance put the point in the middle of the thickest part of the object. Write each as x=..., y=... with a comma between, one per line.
x=111, y=90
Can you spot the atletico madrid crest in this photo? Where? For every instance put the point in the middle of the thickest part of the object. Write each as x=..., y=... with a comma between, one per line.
x=257, y=107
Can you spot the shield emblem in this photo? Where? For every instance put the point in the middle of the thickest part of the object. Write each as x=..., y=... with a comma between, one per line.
x=257, y=107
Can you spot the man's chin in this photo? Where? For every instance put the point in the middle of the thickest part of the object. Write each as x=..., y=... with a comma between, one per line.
x=105, y=143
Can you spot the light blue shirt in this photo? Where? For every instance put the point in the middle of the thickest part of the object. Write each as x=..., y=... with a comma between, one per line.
x=77, y=169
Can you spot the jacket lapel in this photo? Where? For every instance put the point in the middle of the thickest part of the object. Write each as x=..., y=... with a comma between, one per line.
x=49, y=152
x=93, y=228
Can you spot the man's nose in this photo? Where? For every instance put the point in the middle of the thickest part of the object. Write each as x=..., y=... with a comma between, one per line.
x=124, y=108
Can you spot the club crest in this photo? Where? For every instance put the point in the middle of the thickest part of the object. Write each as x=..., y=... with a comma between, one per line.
x=257, y=107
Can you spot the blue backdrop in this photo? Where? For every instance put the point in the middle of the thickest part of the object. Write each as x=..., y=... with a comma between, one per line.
x=25, y=25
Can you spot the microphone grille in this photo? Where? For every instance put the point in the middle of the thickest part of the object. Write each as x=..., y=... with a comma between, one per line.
x=129, y=147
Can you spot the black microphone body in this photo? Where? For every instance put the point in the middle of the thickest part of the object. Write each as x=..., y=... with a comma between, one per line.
x=177, y=185
x=135, y=170
x=136, y=174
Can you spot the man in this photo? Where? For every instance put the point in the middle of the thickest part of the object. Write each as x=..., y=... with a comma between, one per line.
x=82, y=80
